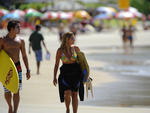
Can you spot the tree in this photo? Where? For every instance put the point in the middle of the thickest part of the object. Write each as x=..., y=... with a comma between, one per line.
x=142, y=5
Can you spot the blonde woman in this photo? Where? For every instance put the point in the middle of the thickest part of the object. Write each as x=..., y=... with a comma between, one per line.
x=70, y=78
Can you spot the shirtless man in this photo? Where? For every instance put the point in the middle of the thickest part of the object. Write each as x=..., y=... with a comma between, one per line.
x=13, y=45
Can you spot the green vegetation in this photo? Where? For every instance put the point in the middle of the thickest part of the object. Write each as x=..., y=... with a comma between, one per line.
x=34, y=5
x=93, y=5
x=142, y=5
x=1, y=7
x=90, y=5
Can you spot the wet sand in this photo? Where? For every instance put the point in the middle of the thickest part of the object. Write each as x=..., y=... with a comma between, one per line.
x=132, y=72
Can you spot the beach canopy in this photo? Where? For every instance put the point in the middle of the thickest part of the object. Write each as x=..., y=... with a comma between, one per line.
x=19, y=12
x=82, y=15
x=57, y=15
x=132, y=9
x=34, y=14
x=107, y=10
x=125, y=14
x=3, y=12
x=11, y=16
x=102, y=16
x=30, y=10
x=135, y=12
x=50, y=15
x=131, y=12
x=65, y=15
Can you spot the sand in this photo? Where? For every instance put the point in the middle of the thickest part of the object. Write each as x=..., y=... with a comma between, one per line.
x=39, y=95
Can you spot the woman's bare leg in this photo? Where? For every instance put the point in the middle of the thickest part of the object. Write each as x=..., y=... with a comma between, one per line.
x=75, y=101
x=67, y=100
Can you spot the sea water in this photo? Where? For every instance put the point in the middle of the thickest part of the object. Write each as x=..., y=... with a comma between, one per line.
x=136, y=63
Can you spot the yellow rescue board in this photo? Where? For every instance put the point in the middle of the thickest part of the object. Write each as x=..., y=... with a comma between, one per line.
x=8, y=73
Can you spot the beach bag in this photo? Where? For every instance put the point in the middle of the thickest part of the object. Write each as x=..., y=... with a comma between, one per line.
x=89, y=87
x=81, y=60
x=47, y=56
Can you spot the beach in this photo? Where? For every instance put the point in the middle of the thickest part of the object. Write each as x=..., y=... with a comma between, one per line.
x=120, y=81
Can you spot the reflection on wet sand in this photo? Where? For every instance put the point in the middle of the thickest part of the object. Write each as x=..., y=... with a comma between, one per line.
x=133, y=70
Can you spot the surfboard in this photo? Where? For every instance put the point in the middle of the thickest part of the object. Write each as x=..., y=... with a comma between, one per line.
x=8, y=73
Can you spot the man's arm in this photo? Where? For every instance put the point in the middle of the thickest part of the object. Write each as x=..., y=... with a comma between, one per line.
x=42, y=39
x=30, y=45
x=45, y=46
x=25, y=59
x=1, y=43
x=58, y=55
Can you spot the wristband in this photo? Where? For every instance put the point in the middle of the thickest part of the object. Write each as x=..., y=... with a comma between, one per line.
x=28, y=70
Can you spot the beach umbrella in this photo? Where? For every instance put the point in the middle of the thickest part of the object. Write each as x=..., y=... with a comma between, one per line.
x=34, y=14
x=112, y=9
x=102, y=16
x=3, y=12
x=135, y=12
x=19, y=12
x=46, y=15
x=82, y=14
x=108, y=10
x=50, y=15
x=138, y=14
x=30, y=10
x=11, y=16
x=54, y=15
x=102, y=9
x=125, y=14
x=132, y=9
x=65, y=15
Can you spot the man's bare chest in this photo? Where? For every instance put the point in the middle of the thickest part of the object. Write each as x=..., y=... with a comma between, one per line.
x=11, y=44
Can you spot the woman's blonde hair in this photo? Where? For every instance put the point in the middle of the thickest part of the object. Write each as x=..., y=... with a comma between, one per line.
x=65, y=38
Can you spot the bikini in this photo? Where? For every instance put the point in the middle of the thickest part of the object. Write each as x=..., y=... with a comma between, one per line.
x=73, y=58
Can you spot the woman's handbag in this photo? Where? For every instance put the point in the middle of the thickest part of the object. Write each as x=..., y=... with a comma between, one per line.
x=89, y=86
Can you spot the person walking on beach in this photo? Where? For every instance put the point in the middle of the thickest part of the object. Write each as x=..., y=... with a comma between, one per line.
x=124, y=37
x=70, y=76
x=130, y=32
x=13, y=45
x=73, y=29
x=35, y=40
x=60, y=31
